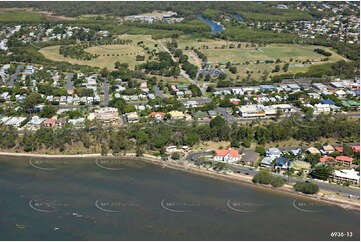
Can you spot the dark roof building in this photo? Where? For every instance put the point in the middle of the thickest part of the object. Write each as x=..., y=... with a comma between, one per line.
x=326, y=101
x=249, y=157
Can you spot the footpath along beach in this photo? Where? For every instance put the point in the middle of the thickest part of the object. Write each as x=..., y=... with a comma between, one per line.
x=231, y=177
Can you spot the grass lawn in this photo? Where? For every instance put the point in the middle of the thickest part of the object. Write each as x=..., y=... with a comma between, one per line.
x=20, y=16
x=108, y=54
x=178, y=80
x=211, y=145
x=216, y=52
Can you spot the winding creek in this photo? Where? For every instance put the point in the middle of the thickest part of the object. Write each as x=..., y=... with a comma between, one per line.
x=215, y=27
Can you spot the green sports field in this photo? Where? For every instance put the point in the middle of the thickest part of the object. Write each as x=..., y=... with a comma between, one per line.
x=108, y=54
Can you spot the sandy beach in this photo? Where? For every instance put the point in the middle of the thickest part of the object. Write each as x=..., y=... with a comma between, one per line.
x=231, y=177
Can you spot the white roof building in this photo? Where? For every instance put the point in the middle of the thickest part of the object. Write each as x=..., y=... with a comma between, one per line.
x=35, y=120
x=267, y=161
x=347, y=175
x=253, y=110
x=15, y=121
x=273, y=152
x=237, y=91
x=76, y=121
x=321, y=108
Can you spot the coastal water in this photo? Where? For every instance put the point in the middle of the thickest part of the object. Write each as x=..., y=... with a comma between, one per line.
x=215, y=27
x=236, y=16
x=87, y=199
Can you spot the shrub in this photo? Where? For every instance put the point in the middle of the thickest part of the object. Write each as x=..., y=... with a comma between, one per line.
x=306, y=187
x=263, y=177
x=278, y=182
x=175, y=156
x=246, y=143
x=260, y=149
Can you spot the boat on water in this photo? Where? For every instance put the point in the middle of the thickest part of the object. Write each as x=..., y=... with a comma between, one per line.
x=20, y=226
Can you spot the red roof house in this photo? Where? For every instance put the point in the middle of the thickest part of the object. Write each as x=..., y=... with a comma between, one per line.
x=51, y=121
x=227, y=155
x=157, y=115
x=327, y=159
x=356, y=148
x=339, y=148
x=345, y=160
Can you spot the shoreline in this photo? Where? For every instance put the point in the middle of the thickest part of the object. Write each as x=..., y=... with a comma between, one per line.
x=235, y=178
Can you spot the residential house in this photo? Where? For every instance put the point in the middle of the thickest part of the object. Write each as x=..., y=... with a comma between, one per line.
x=285, y=108
x=265, y=88
x=249, y=157
x=327, y=149
x=50, y=122
x=76, y=121
x=313, y=151
x=107, y=115
x=35, y=122
x=132, y=117
x=212, y=114
x=61, y=122
x=15, y=121
x=294, y=87
x=282, y=163
x=157, y=115
x=321, y=108
x=200, y=115
x=296, y=152
x=267, y=161
x=342, y=176
x=344, y=160
x=301, y=166
x=237, y=91
x=176, y=114
x=228, y=156
x=327, y=159
x=273, y=152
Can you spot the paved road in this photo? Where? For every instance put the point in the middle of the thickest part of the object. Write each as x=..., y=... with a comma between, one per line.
x=13, y=77
x=183, y=73
x=106, y=92
x=69, y=82
x=157, y=92
x=228, y=117
x=292, y=180
x=199, y=100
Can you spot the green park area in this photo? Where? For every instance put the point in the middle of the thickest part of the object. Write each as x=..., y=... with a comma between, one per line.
x=109, y=54
x=20, y=16
x=255, y=59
